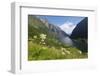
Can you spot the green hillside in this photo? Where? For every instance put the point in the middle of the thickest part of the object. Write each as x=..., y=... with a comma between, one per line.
x=43, y=44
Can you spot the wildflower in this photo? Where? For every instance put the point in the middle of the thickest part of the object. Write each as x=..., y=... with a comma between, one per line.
x=63, y=49
x=43, y=36
x=68, y=52
x=42, y=40
x=80, y=52
x=35, y=37
x=44, y=48
x=44, y=43
x=63, y=53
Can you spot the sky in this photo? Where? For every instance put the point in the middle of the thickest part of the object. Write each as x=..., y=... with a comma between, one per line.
x=59, y=20
x=66, y=23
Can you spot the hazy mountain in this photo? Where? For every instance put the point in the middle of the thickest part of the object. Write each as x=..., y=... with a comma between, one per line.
x=56, y=30
x=67, y=27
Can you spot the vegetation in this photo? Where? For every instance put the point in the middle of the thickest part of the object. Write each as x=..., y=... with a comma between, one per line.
x=41, y=52
x=43, y=45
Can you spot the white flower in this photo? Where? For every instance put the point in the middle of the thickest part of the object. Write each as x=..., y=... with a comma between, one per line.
x=68, y=52
x=63, y=49
x=35, y=37
x=63, y=53
x=43, y=47
x=44, y=43
x=43, y=36
x=80, y=52
x=42, y=40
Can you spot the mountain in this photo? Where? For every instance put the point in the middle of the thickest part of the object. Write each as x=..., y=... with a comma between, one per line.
x=56, y=30
x=67, y=27
x=80, y=35
x=81, y=30
x=37, y=26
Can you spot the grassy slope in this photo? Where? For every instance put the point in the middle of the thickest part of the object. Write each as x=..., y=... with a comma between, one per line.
x=52, y=49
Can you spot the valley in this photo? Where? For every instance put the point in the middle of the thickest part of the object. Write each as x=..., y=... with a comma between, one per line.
x=47, y=41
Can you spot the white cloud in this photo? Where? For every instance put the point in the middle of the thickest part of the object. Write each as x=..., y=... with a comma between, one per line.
x=67, y=27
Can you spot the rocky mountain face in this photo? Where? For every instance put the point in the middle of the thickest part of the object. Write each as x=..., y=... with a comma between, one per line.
x=81, y=30
x=37, y=26
x=54, y=29
x=58, y=33
x=80, y=35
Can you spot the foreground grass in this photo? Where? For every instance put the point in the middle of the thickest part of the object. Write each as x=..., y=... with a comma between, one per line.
x=43, y=52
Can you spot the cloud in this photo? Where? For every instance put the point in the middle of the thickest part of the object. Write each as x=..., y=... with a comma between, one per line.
x=67, y=27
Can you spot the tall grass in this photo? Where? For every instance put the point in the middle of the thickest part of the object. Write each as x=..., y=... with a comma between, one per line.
x=43, y=52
